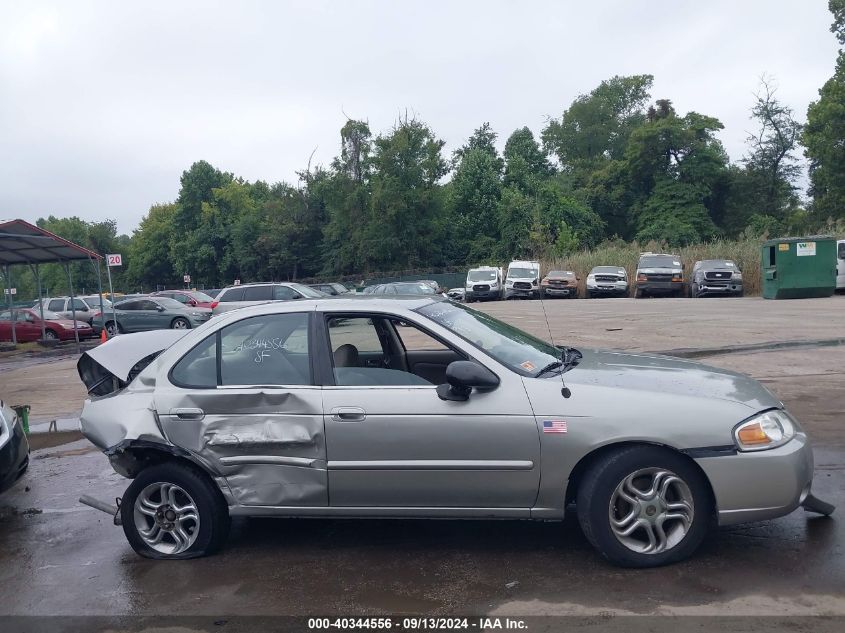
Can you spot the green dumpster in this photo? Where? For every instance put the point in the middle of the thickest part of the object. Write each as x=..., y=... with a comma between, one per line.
x=23, y=413
x=799, y=267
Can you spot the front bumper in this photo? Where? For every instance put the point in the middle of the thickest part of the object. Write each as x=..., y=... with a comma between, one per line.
x=521, y=292
x=732, y=288
x=14, y=458
x=660, y=286
x=560, y=291
x=760, y=485
x=476, y=295
x=609, y=289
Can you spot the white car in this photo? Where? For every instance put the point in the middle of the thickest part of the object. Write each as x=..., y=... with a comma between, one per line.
x=523, y=279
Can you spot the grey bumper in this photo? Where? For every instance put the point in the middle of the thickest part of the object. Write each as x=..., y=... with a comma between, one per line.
x=760, y=485
x=520, y=292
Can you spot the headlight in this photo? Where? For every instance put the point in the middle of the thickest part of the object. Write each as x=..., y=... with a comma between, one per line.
x=493, y=285
x=737, y=276
x=767, y=430
x=468, y=287
x=196, y=314
x=509, y=283
x=68, y=327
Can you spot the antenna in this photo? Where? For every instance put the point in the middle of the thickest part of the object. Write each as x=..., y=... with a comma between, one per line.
x=564, y=390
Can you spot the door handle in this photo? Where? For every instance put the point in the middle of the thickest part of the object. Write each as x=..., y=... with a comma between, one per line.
x=188, y=413
x=348, y=414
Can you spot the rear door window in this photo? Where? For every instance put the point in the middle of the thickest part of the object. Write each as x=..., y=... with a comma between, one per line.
x=233, y=294
x=258, y=293
x=56, y=305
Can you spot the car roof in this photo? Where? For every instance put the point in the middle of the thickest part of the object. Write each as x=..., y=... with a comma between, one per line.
x=340, y=303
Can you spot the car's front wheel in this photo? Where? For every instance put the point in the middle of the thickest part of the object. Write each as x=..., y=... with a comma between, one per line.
x=644, y=506
x=180, y=324
x=174, y=511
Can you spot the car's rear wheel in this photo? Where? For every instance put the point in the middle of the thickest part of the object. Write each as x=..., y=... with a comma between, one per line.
x=174, y=511
x=644, y=506
x=180, y=324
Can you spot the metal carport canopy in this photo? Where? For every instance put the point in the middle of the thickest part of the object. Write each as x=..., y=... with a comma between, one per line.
x=25, y=243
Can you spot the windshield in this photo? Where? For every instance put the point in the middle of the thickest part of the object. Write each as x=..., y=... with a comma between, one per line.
x=718, y=263
x=201, y=297
x=308, y=293
x=481, y=275
x=660, y=261
x=51, y=316
x=607, y=270
x=510, y=346
x=522, y=273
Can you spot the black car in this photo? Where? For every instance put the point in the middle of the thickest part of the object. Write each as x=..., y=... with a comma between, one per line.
x=14, y=448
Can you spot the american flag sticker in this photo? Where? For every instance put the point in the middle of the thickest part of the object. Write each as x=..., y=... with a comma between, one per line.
x=554, y=426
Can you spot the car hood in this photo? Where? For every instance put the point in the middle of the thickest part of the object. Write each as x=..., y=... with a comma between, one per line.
x=117, y=357
x=668, y=376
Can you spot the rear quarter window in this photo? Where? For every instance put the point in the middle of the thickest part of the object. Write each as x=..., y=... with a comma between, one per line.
x=233, y=294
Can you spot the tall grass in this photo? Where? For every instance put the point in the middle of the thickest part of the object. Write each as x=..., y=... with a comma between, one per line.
x=745, y=253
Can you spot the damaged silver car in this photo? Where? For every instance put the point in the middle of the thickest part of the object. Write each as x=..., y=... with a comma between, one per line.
x=422, y=407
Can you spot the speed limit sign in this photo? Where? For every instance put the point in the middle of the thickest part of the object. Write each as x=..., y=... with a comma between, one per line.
x=115, y=259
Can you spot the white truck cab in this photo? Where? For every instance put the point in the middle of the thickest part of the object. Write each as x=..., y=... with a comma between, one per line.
x=523, y=279
x=840, y=264
x=484, y=282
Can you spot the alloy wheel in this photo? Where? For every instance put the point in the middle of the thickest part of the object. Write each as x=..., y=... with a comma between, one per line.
x=166, y=518
x=651, y=510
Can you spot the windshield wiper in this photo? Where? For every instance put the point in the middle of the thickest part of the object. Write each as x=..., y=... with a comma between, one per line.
x=550, y=367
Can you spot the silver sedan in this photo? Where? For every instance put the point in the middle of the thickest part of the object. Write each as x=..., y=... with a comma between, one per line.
x=422, y=407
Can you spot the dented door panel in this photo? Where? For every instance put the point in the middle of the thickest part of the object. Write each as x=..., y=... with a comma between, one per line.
x=267, y=442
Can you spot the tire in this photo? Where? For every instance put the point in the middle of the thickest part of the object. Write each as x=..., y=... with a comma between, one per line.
x=113, y=329
x=50, y=335
x=180, y=324
x=598, y=498
x=693, y=291
x=639, y=294
x=199, y=537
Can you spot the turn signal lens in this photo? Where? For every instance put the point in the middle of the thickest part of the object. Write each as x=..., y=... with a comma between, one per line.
x=767, y=430
x=677, y=278
x=641, y=277
x=752, y=435
x=214, y=304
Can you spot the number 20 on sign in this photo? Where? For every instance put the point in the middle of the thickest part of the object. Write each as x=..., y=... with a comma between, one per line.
x=115, y=259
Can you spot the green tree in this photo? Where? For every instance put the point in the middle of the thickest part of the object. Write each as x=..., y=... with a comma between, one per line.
x=597, y=125
x=526, y=165
x=149, y=252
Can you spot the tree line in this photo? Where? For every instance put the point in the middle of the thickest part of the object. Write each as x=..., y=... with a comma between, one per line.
x=616, y=164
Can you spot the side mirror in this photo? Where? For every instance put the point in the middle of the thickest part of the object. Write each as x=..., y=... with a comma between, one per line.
x=462, y=376
x=192, y=303
x=160, y=309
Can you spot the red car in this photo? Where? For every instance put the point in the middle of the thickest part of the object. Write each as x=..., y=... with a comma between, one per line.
x=28, y=326
x=193, y=298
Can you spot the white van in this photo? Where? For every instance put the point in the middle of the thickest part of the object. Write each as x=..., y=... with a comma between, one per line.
x=840, y=265
x=484, y=282
x=523, y=280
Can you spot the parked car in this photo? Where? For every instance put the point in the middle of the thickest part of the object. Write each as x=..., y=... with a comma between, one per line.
x=442, y=411
x=607, y=281
x=484, y=282
x=191, y=298
x=660, y=274
x=404, y=288
x=235, y=297
x=14, y=448
x=27, y=323
x=438, y=289
x=716, y=277
x=457, y=294
x=523, y=280
x=332, y=289
x=560, y=283
x=840, y=265
x=86, y=307
x=151, y=313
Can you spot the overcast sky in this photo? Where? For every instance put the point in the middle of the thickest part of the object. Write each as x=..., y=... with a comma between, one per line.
x=104, y=104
